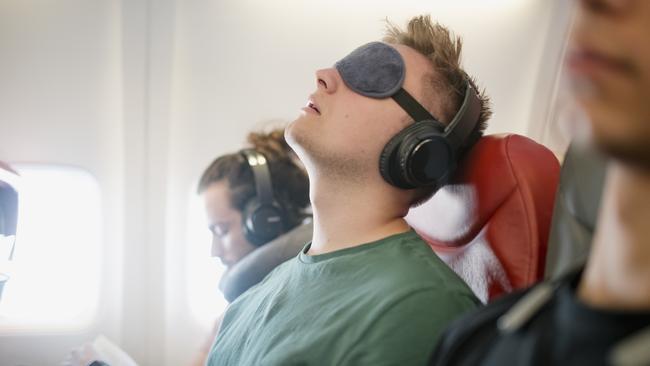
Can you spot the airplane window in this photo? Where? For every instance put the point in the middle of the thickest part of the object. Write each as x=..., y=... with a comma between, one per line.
x=55, y=270
x=204, y=272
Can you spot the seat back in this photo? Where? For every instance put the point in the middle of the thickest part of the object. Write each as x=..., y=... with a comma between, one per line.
x=576, y=209
x=491, y=225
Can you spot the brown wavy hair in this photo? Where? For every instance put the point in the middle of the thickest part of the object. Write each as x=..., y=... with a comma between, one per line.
x=289, y=179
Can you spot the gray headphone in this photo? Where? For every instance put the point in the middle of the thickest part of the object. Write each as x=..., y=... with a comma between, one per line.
x=263, y=218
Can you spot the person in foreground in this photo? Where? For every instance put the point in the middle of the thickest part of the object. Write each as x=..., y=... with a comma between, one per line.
x=367, y=289
x=599, y=314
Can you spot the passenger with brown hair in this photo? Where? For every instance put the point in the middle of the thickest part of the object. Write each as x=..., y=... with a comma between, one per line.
x=384, y=129
x=257, y=204
x=255, y=199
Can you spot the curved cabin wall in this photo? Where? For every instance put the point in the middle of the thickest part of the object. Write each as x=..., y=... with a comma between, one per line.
x=61, y=103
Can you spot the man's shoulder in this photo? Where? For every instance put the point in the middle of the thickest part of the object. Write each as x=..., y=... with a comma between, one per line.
x=410, y=252
x=270, y=283
x=412, y=262
x=279, y=274
x=405, y=266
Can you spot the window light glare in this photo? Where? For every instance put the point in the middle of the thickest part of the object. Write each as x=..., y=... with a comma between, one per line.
x=55, y=270
x=206, y=302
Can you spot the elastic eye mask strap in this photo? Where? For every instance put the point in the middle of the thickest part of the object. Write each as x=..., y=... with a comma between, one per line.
x=411, y=106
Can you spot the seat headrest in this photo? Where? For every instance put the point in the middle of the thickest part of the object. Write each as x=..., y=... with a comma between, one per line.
x=491, y=225
x=576, y=208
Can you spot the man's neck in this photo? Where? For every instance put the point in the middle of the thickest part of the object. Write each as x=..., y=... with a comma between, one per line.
x=618, y=273
x=348, y=214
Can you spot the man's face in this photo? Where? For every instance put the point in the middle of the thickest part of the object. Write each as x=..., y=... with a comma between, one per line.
x=225, y=222
x=340, y=129
x=609, y=62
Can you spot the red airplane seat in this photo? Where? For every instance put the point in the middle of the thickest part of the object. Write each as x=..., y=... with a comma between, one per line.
x=491, y=225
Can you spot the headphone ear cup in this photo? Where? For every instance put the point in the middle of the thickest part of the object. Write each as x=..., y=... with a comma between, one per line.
x=388, y=160
x=248, y=225
x=405, y=165
x=262, y=222
x=425, y=156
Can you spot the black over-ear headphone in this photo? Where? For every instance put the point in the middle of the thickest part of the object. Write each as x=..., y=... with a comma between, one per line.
x=263, y=218
x=425, y=153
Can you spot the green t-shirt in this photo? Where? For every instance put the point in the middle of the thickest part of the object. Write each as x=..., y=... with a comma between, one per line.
x=381, y=303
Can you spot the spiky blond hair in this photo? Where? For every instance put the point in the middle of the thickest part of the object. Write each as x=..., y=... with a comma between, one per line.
x=444, y=87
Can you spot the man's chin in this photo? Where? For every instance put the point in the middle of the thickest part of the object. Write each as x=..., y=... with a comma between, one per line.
x=296, y=134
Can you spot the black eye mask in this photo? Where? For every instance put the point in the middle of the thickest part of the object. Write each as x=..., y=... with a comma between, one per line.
x=377, y=70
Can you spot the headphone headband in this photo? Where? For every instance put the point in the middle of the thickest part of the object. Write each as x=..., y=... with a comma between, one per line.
x=263, y=218
x=460, y=128
x=261, y=173
x=426, y=152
